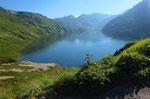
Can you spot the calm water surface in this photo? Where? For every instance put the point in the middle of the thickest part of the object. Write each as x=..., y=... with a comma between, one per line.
x=71, y=51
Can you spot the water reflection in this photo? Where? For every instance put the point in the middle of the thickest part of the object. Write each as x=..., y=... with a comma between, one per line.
x=42, y=43
x=71, y=50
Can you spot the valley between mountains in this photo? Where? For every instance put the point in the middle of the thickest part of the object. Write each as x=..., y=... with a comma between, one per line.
x=102, y=56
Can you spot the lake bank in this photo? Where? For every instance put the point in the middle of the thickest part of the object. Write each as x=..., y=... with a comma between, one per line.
x=72, y=50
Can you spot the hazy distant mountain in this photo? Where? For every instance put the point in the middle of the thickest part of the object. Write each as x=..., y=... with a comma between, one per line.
x=135, y=23
x=92, y=21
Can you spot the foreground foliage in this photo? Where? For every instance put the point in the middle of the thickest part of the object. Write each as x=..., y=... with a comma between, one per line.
x=30, y=85
x=128, y=64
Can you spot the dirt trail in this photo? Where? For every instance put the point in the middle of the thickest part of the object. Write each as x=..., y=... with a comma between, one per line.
x=6, y=77
x=37, y=66
x=11, y=70
x=34, y=67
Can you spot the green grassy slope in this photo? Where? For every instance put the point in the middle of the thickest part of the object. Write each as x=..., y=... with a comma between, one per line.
x=129, y=64
x=17, y=29
x=29, y=85
x=48, y=25
x=14, y=35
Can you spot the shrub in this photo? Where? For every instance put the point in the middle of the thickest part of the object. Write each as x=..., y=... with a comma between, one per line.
x=93, y=77
x=107, y=62
x=130, y=63
x=65, y=84
x=140, y=47
x=144, y=74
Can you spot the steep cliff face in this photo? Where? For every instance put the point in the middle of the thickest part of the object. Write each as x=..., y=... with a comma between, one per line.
x=135, y=23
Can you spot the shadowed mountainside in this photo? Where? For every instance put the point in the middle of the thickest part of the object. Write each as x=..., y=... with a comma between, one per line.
x=134, y=23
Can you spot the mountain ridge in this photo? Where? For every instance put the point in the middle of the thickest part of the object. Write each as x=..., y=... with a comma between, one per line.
x=86, y=21
x=134, y=23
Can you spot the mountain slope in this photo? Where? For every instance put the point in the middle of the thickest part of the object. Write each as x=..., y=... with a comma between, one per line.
x=44, y=23
x=135, y=23
x=17, y=29
x=40, y=21
x=92, y=21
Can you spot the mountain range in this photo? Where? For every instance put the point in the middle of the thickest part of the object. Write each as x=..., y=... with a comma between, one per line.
x=91, y=21
x=135, y=23
x=18, y=28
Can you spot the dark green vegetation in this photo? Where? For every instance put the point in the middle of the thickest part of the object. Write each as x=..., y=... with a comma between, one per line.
x=92, y=21
x=129, y=64
x=18, y=29
x=135, y=23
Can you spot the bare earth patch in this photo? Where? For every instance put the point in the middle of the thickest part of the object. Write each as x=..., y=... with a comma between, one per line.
x=37, y=66
x=11, y=70
x=6, y=77
x=7, y=64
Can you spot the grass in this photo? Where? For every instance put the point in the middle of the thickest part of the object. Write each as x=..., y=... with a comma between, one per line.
x=129, y=64
x=17, y=31
x=29, y=84
x=15, y=34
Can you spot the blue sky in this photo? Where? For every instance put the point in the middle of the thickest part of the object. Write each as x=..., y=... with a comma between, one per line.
x=59, y=8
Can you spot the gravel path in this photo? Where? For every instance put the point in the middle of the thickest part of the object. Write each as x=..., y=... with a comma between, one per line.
x=137, y=90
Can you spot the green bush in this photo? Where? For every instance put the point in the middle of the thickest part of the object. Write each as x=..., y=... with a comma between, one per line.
x=65, y=84
x=93, y=77
x=144, y=74
x=129, y=63
x=101, y=76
